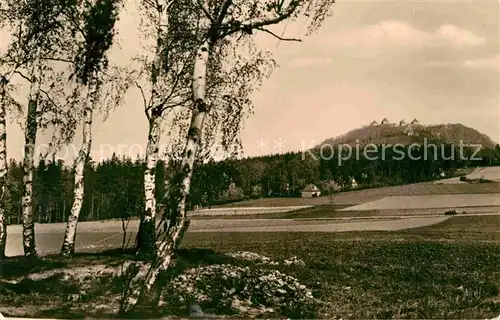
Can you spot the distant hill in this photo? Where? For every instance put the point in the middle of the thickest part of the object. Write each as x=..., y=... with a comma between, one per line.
x=414, y=132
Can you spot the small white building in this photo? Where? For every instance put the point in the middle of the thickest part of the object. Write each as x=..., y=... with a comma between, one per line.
x=311, y=191
x=385, y=121
x=402, y=123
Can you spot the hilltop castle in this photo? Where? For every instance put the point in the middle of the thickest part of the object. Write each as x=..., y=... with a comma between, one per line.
x=402, y=122
x=409, y=127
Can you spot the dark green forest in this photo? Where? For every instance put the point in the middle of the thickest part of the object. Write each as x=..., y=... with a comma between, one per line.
x=114, y=187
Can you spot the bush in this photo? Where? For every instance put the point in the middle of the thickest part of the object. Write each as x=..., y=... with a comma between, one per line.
x=484, y=180
x=450, y=213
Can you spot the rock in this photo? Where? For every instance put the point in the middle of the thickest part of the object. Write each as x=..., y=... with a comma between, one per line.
x=196, y=312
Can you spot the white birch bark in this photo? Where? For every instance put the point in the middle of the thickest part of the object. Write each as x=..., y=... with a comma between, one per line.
x=28, y=166
x=147, y=274
x=3, y=165
x=68, y=247
x=146, y=238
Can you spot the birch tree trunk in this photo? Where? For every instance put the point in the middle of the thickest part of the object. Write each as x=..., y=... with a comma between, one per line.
x=28, y=166
x=3, y=166
x=147, y=274
x=68, y=247
x=146, y=237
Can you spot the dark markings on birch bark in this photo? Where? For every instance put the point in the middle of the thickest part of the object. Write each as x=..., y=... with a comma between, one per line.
x=146, y=239
x=29, y=150
x=146, y=236
x=3, y=166
x=68, y=247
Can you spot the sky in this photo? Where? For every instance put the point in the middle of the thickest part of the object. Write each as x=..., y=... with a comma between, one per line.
x=434, y=61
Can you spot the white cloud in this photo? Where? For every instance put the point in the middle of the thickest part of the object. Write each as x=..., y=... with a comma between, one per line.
x=483, y=63
x=400, y=33
x=458, y=36
x=302, y=62
x=491, y=63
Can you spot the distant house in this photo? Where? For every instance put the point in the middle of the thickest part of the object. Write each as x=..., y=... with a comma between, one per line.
x=415, y=121
x=385, y=121
x=374, y=123
x=402, y=123
x=311, y=191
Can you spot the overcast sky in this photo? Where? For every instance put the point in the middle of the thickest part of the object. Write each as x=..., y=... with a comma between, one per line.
x=438, y=62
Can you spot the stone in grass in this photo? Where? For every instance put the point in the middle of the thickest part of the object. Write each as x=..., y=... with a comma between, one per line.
x=295, y=261
x=196, y=312
x=245, y=291
x=252, y=256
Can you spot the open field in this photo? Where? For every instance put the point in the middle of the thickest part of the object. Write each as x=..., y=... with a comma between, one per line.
x=96, y=236
x=319, y=211
x=361, y=196
x=429, y=201
x=447, y=270
x=386, y=213
x=334, y=212
x=243, y=211
x=489, y=173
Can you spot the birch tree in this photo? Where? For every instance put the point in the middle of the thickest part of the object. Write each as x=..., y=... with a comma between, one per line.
x=6, y=104
x=43, y=46
x=37, y=34
x=16, y=57
x=94, y=24
x=3, y=165
x=166, y=72
x=219, y=20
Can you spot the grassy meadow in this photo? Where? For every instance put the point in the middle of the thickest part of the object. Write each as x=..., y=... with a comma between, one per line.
x=448, y=270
